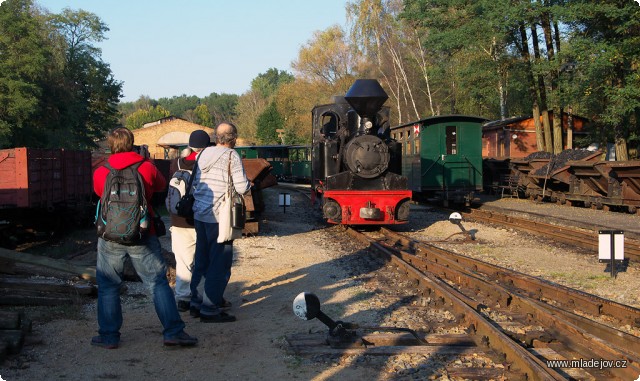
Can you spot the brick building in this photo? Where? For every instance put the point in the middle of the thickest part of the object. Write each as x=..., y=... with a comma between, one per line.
x=167, y=136
x=516, y=137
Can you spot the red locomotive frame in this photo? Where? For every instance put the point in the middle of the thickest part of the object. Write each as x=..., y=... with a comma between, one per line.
x=352, y=201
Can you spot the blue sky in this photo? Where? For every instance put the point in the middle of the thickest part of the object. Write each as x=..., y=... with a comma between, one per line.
x=165, y=48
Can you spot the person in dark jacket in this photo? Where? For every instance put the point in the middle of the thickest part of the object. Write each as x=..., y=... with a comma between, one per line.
x=183, y=231
x=146, y=257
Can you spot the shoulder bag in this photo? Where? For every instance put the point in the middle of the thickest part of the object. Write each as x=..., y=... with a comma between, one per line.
x=230, y=211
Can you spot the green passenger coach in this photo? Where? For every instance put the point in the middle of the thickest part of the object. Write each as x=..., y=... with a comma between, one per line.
x=300, y=157
x=442, y=157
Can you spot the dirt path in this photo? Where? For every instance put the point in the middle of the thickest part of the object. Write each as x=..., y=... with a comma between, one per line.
x=269, y=271
x=294, y=252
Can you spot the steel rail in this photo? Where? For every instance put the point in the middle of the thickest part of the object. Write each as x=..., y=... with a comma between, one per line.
x=571, y=236
x=484, y=332
x=578, y=334
x=543, y=290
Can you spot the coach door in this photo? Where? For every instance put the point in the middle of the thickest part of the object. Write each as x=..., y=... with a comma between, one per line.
x=441, y=164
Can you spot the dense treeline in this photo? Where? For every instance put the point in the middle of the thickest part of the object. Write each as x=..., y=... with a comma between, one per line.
x=492, y=58
x=55, y=90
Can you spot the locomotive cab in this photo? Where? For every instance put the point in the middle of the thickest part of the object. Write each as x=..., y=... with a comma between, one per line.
x=355, y=164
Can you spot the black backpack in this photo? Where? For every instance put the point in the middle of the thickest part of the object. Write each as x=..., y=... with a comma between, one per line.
x=122, y=213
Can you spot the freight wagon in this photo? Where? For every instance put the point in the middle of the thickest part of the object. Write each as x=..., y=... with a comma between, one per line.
x=46, y=179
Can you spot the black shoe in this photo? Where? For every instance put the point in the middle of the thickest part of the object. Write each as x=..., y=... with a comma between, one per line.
x=182, y=339
x=222, y=317
x=99, y=341
x=183, y=305
x=194, y=312
x=225, y=304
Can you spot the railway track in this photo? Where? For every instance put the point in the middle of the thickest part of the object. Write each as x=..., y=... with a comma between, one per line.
x=571, y=236
x=523, y=321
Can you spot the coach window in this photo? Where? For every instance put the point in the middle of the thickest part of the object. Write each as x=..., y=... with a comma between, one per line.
x=452, y=140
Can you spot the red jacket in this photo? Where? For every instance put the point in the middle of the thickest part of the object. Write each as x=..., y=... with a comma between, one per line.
x=151, y=176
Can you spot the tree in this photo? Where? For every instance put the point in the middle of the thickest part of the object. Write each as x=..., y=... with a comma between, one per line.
x=81, y=29
x=248, y=108
x=179, y=105
x=266, y=84
x=268, y=122
x=203, y=117
x=605, y=46
x=327, y=57
x=141, y=117
x=222, y=107
x=295, y=101
x=25, y=59
x=378, y=31
x=93, y=92
x=253, y=104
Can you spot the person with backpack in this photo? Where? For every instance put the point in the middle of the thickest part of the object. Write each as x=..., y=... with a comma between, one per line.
x=123, y=219
x=183, y=231
x=212, y=267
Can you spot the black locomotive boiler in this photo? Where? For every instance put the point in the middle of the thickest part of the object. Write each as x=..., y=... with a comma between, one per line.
x=355, y=164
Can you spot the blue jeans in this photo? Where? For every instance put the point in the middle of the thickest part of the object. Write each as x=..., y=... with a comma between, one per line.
x=211, y=269
x=150, y=266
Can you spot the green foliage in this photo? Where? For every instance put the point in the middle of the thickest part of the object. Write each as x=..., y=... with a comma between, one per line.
x=605, y=50
x=222, y=107
x=25, y=59
x=81, y=29
x=55, y=91
x=143, y=116
x=268, y=122
x=178, y=105
x=203, y=117
x=267, y=83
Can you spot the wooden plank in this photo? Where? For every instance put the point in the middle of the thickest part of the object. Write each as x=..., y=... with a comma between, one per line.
x=426, y=350
x=386, y=339
x=473, y=373
x=35, y=298
x=46, y=285
x=13, y=338
x=87, y=273
x=10, y=319
x=4, y=350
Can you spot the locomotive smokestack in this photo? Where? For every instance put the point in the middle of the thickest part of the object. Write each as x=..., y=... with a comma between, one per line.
x=366, y=96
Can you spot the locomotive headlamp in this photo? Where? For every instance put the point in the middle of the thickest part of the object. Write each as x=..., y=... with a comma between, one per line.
x=368, y=124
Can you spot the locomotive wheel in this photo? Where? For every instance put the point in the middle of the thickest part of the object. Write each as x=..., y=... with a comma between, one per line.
x=332, y=211
x=402, y=211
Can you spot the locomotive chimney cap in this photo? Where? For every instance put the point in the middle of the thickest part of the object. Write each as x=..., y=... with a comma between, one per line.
x=366, y=96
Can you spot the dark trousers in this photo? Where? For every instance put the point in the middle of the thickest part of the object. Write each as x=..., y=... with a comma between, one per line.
x=211, y=269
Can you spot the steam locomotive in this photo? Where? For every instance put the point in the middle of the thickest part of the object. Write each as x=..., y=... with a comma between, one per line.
x=355, y=164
